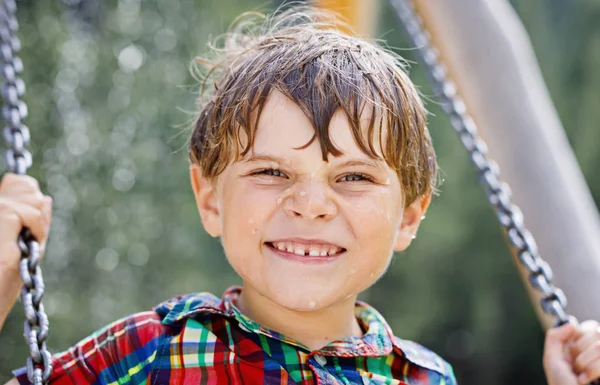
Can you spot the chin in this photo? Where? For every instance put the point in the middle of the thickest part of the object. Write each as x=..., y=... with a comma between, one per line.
x=303, y=299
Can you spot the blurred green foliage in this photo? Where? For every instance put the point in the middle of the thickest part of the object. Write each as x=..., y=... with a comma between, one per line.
x=110, y=99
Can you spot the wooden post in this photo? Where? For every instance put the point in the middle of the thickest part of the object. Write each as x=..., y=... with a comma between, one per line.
x=489, y=55
x=360, y=14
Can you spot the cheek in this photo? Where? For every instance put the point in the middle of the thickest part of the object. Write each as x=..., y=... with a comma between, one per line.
x=245, y=211
x=375, y=225
x=243, y=216
x=376, y=218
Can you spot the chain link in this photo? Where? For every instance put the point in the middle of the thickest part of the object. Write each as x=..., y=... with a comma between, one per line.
x=553, y=300
x=18, y=160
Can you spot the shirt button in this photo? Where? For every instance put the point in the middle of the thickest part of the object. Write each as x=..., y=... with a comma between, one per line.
x=320, y=359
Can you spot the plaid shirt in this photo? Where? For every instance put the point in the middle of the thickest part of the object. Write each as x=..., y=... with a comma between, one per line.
x=199, y=339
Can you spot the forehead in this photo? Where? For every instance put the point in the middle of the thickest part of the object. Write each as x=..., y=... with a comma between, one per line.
x=283, y=127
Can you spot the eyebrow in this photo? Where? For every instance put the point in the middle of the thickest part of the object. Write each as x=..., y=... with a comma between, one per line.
x=362, y=162
x=348, y=163
x=261, y=157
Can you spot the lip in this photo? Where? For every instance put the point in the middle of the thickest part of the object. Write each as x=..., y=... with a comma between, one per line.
x=306, y=259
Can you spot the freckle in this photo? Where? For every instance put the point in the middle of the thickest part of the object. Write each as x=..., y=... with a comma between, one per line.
x=302, y=193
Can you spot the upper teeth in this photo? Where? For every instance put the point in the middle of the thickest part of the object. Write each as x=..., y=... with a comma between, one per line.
x=313, y=250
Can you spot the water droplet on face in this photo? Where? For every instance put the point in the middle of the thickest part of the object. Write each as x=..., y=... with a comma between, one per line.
x=254, y=230
x=312, y=304
x=302, y=193
x=279, y=200
x=251, y=221
x=387, y=181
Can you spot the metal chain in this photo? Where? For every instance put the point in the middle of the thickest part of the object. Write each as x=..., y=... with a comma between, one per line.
x=498, y=193
x=18, y=160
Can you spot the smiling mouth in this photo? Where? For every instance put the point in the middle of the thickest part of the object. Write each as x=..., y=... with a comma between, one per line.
x=307, y=250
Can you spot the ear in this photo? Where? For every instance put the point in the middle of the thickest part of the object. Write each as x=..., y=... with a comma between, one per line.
x=411, y=219
x=206, y=200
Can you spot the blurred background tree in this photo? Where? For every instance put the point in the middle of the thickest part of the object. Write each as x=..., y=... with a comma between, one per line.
x=111, y=100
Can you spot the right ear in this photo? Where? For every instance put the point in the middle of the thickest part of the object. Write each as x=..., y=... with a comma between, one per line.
x=206, y=200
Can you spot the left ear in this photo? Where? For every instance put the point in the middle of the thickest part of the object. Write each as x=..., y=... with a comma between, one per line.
x=411, y=219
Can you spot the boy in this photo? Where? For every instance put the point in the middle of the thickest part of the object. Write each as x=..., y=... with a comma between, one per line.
x=312, y=163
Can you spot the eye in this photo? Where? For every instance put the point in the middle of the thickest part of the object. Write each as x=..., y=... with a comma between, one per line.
x=356, y=177
x=269, y=172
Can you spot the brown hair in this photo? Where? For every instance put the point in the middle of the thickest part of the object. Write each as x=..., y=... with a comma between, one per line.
x=300, y=53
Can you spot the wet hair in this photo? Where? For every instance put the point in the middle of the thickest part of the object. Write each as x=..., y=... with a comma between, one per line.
x=301, y=53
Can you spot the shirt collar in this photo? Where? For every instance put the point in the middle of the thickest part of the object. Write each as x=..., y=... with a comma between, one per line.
x=377, y=341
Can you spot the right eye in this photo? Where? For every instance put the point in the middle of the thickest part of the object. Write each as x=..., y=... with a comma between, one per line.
x=269, y=172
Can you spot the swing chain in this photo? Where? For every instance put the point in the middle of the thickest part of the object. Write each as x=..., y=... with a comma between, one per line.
x=509, y=215
x=553, y=300
x=18, y=160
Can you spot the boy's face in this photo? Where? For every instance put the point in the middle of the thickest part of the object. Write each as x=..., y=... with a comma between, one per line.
x=279, y=205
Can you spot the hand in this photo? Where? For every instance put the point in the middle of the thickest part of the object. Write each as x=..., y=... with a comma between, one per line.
x=22, y=204
x=572, y=354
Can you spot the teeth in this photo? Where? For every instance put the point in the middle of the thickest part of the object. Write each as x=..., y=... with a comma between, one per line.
x=310, y=250
x=299, y=249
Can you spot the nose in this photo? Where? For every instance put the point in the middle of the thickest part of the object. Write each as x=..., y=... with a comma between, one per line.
x=310, y=200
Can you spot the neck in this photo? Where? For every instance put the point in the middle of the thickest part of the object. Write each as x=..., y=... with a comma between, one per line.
x=313, y=329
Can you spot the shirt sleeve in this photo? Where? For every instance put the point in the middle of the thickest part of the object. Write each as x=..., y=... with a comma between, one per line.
x=122, y=352
x=449, y=378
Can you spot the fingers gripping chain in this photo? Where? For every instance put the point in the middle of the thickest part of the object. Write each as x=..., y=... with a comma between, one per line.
x=18, y=160
x=498, y=192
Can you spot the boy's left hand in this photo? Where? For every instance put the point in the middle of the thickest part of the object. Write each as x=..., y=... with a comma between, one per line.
x=572, y=354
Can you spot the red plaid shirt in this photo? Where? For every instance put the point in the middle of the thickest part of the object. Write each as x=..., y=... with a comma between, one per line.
x=199, y=339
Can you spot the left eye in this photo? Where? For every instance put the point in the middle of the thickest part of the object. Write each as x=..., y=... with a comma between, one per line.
x=355, y=177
